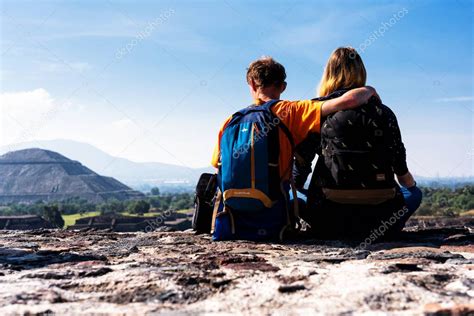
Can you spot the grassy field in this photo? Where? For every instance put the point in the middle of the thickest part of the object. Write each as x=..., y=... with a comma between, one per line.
x=71, y=219
x=145, y=215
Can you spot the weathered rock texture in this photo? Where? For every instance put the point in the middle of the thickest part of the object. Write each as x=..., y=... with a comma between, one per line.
x=35, y=174
x=100, y=272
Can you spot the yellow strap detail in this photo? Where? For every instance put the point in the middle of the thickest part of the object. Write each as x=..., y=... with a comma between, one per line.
x=248, y=193
x=216, y=208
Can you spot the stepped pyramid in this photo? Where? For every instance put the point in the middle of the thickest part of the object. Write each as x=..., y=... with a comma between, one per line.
x=34, y=174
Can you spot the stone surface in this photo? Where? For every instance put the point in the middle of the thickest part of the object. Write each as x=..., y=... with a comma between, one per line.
x=103, y=272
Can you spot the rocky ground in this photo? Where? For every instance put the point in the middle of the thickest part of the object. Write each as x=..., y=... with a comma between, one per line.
x=429, y=270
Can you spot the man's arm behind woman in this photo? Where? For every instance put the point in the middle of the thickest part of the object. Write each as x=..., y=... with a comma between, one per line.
x=308, y=149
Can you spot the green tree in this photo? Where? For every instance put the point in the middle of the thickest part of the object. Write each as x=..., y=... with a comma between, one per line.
x=139, y=207
x=116, y=206
x=155, y=201
x=51, y=214
x=155, y=191
x=105, y=209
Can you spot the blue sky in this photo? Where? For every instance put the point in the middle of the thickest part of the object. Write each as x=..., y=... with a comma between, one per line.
x=153, y=81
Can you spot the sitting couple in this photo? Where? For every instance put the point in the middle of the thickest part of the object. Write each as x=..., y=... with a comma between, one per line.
x=265, y=151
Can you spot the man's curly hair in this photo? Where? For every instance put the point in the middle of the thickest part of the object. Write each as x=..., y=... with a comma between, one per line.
x=265, y=72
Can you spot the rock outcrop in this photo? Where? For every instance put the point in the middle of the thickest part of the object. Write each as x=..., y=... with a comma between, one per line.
x=119, y=223
x=24, y=222
x=29, y=175
x=425, y=271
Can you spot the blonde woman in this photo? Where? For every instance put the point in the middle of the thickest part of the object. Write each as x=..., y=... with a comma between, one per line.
x=353, y=191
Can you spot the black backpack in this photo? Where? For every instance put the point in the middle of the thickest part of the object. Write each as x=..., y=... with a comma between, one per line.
x=355, y=148
x=206, y=189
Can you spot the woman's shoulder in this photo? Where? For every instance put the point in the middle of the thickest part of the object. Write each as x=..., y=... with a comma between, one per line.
x=386, y=110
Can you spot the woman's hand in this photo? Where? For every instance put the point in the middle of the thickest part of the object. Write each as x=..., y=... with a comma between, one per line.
x=407, y=180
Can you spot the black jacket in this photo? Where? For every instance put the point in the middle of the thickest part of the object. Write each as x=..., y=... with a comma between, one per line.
x=307, y=150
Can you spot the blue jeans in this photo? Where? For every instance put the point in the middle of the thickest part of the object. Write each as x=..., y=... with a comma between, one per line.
x=412, y=197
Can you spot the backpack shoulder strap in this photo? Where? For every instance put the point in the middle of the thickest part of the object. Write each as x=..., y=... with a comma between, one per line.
x=237, y=116
x=288, y=134
x=292, y=215
x=268, y=106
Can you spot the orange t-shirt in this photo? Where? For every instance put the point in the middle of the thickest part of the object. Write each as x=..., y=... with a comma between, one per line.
x=300, y=117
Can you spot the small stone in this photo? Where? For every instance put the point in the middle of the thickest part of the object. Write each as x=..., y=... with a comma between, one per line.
x=166, y=295
x=291, y=288
x=401, y=267
x=95, y=273
x=220, y=283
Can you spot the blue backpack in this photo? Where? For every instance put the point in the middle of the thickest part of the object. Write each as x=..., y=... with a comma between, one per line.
x=254, y=202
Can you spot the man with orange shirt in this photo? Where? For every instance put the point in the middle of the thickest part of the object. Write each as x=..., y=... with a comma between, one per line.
x=254, y=154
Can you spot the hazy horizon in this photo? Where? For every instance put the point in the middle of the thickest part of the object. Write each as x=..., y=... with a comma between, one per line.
x=47, y=144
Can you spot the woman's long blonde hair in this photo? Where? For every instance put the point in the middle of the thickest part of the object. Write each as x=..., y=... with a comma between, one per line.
x=344, y=70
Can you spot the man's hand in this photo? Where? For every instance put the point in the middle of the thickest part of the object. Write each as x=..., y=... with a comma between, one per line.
x=359, y=96
x=349, y=100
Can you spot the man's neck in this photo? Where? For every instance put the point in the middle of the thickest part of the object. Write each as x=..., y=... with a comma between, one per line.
x=267, y=97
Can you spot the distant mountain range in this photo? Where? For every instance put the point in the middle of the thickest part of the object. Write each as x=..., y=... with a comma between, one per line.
x=144, y=175
x=139, y=175
x=34, y=174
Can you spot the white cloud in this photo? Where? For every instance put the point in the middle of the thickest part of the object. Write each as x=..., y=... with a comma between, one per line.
x=24, y=113
x=26, y=104
x=29, y=116
x=456, y=99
